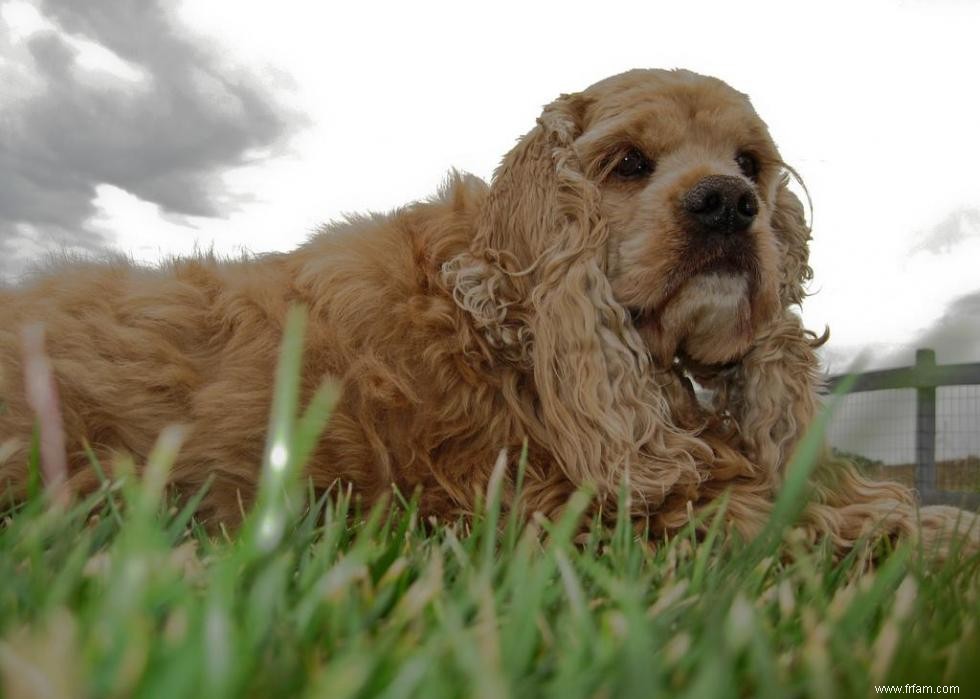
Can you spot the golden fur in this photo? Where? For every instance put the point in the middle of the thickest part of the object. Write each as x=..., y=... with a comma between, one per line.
x=561, y=305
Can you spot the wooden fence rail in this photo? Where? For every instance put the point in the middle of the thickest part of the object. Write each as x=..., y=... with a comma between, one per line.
x=924, y=377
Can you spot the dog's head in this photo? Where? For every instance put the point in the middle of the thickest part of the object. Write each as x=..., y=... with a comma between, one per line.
x=688, y=179
x=673, y=179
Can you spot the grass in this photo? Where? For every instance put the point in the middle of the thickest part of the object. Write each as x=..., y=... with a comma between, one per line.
x=124, y=594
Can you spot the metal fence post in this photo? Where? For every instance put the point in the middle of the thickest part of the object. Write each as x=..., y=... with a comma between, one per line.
x=925, y=426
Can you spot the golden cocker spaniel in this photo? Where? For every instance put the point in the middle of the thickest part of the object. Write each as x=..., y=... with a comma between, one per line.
x=640, y=233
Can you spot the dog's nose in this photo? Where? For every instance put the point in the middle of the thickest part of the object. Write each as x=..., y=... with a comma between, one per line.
x=723, y=204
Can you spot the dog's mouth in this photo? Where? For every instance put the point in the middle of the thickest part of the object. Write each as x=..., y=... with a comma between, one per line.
x=705, y=257
x=708, y=318
x=710, y=300
x=716, y=254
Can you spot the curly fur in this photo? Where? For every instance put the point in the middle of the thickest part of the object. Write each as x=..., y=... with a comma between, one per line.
x=558, y=306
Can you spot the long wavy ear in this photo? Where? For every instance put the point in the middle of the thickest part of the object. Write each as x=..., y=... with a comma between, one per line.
x=493, y=280
x=773, y=393
x=536, y=283
x=792, y=239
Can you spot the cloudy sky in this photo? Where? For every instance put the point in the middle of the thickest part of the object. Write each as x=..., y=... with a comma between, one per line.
x=155, y=127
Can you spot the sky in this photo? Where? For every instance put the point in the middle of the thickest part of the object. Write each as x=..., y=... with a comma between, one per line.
x=158, y=128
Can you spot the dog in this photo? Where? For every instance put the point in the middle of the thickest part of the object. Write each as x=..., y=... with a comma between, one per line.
x=641, y=234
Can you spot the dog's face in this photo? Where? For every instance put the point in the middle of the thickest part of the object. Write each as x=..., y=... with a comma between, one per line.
x=688, y=178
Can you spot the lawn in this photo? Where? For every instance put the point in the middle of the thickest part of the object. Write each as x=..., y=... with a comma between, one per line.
x=125, y=594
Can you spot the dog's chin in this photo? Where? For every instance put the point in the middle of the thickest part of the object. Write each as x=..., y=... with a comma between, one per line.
x=709, y=321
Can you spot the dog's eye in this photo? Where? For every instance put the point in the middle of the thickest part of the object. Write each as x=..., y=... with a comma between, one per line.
x=633, y=165
x=748, y=164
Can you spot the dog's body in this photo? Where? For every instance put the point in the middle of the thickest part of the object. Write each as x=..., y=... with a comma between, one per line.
x=641, y=230
x=196, y=342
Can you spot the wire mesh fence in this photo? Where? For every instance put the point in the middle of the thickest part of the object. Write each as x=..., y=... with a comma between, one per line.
x=918, y=425
x=958, y=438
x=877, y=427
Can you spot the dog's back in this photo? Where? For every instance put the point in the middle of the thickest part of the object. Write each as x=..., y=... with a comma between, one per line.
x=195, y=341
x=132, y=350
